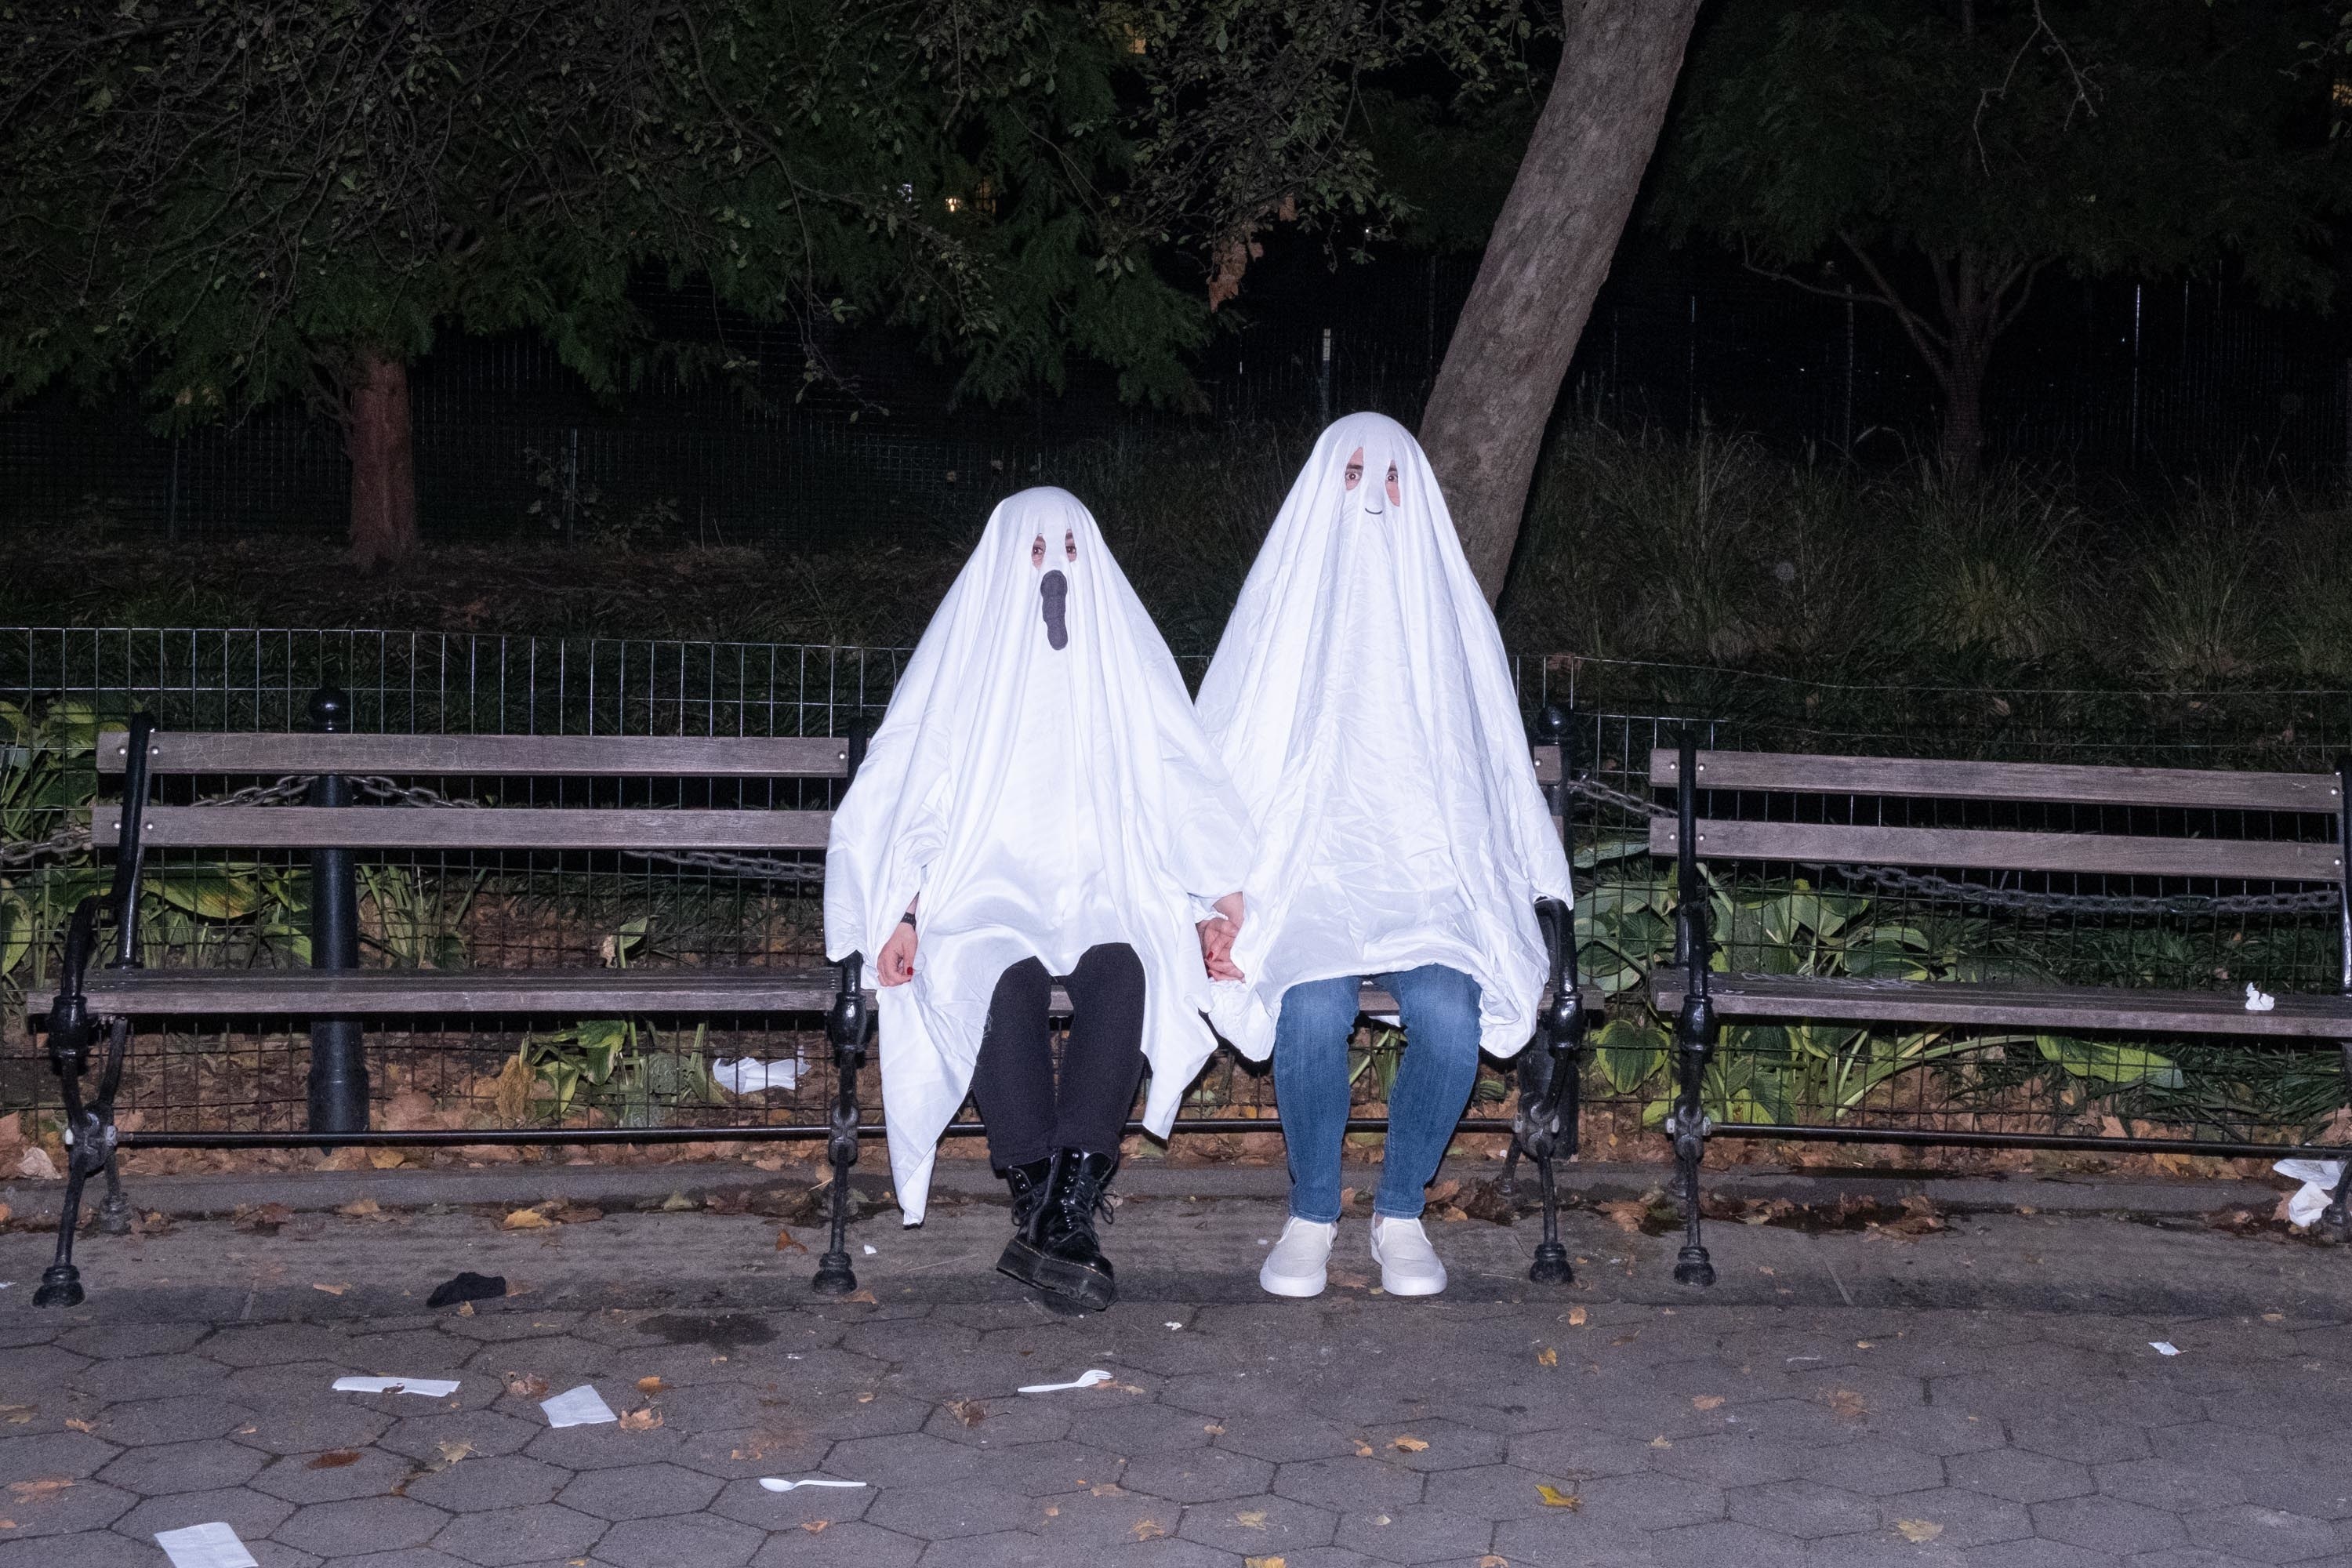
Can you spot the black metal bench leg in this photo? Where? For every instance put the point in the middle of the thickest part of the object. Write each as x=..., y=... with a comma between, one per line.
x=1688, y=1128
x=846, y=1027
x=114, y=1211
x=90, y=1150
x=1544, y=1129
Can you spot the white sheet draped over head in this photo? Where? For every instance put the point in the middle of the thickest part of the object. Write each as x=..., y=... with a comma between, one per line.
x=1362, y=702
x=1041, y=779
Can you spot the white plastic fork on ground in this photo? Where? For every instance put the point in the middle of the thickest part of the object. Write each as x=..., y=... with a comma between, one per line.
x=1087, y=1379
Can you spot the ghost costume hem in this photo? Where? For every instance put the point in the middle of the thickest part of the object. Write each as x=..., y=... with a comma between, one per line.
x=1040, y=780
x=1362, y=701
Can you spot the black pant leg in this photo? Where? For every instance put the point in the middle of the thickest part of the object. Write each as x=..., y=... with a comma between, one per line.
x=1013, y=1081
x=1104, y=1060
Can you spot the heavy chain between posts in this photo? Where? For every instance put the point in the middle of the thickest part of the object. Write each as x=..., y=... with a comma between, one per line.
x=1890, y=880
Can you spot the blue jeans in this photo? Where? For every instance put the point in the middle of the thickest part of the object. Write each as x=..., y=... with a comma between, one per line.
x=1440, y=1009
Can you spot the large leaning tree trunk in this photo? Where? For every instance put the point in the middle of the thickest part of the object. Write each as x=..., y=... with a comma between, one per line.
x=1546, y=261
x=383, y=463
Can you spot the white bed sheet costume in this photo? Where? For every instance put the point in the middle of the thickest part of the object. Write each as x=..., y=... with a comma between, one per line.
x=1362, y=702
x=1042, y=795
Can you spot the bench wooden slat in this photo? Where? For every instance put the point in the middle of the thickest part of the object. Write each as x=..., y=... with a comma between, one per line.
x=575, y=992
x=498, y=827
x=2085, y=1009
x=1930, y=778
x=299, y=752
x=1814, y=843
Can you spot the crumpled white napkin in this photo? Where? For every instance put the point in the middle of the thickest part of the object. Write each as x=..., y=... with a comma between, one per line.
x=750, y=1077
x=2318, y=1178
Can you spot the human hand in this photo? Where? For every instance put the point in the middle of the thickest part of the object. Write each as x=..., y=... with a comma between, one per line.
x=1217, y=935
x=894, y=965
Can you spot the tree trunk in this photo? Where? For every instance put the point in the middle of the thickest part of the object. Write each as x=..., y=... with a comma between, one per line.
x=1973, y=315
x=383, y=464
x=1546, y=261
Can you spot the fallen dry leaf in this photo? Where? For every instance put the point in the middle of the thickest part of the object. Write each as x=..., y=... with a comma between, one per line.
x=525, y=1219
x=1053, y=1510
x=1263, y=1563
x=865, y=1399
x=1410, y=1444
x=970, y=1412
x=329, y=1289
x=1107, y=1489
x=359, y=1208
x=866, y=1297
x=453, y=1449
x=385, y=1159
x=814, y=1526
x=1625, y=1339
x=1149, y=1529
x=577, y=1213
x=1547, y=1357
x=17, y=1415
x=334, y=1459
x=1918, y=1530
x=641, y=1421
x=1554, y=1497
x=1662, y=1441
x=786, y=1243
x=465, y=1309
x=1213, y=1430
x=1251, y=1518
x=1345, y=1281
x=1363, y=1450
x=1707, y=1402
x=526, y=1385
x=1491, y=1561
x=32, y=1492
x=79, y=1425
x=1846, y=1403
x=651, y=1385
x=1576, y=1316
x=1626, y=1214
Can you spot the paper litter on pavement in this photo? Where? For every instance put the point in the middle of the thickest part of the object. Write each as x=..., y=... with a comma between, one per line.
x=428, y=1387
x=2319, y=1177
x=581, y=1407
x=1087, y=1379
x=777, y=1484
x=750, y=1077
x=211, y=1545
x=2163, y=1347
x=2258, y=1000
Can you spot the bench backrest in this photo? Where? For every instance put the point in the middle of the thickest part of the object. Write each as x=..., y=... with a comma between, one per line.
x=371, y=827
x=2318, y=858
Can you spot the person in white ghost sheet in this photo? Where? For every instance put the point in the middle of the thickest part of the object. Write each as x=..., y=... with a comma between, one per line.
x=1038, y=801
x=1361, y=701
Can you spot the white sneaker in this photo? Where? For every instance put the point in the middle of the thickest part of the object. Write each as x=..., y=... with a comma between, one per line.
x=1409, y=1264
x=1296, y=1264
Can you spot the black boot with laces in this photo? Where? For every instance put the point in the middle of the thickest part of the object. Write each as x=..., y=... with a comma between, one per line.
x=1028, y=1185
x=1057, y=1251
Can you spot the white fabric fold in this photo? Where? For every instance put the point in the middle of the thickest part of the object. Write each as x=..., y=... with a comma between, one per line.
x=1041, y=800
x=1362, y=699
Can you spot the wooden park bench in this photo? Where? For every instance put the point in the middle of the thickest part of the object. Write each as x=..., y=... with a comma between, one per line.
x=96, y=1005
x=2159, y=824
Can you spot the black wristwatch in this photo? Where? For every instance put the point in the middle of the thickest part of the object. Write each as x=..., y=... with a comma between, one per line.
x=908, y=919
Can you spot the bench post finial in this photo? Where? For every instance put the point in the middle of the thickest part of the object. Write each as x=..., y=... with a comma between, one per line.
x=339, y=1078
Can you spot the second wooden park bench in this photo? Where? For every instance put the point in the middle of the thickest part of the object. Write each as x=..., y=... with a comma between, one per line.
x=2156, y=825
x=98, y=1004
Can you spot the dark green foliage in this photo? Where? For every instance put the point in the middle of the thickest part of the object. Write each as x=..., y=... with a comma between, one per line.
x=238, y=198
